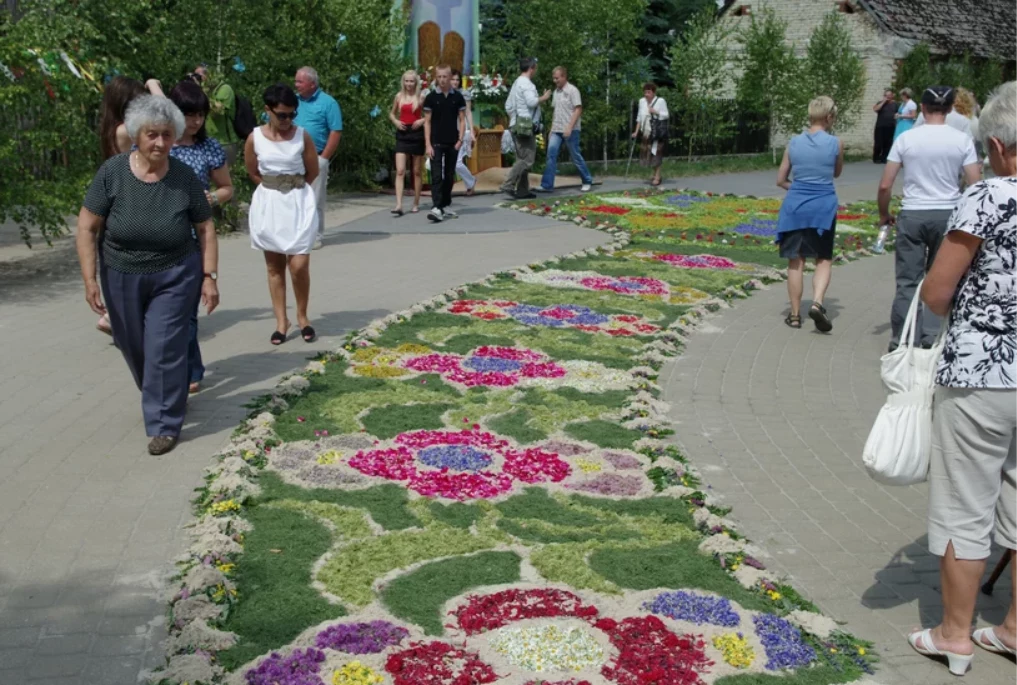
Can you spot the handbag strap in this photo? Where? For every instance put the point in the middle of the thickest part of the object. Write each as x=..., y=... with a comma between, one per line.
x=907, y=333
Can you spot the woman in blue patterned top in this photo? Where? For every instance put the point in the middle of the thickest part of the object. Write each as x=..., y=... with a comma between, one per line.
x=208, y=160
x=808, y=214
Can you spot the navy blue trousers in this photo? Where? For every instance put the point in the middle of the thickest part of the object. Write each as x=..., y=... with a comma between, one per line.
x=150, y=315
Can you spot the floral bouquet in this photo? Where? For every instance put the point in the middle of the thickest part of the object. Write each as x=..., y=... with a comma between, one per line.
x=486, y=88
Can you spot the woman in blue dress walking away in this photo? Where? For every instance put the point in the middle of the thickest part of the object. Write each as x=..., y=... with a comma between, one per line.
x=808, y=215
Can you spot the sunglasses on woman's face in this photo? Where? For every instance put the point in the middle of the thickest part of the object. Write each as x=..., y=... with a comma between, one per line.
x=284, y=116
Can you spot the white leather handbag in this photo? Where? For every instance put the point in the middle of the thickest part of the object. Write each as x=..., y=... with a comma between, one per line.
x=898, y=447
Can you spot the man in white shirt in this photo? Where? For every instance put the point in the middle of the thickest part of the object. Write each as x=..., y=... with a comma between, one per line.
x=934, y=157
x=953, y=120
x=523, y=108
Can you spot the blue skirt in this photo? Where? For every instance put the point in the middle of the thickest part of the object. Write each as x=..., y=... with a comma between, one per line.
x=807, y=205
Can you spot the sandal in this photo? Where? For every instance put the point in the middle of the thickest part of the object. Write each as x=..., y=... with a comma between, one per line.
x=469, y=192
x=414, y=210
x=994, y=644
x=958, y=663
x=278, y=338
x=818, y=314
x=793, y=320
x=308, y=334
x=397, y=212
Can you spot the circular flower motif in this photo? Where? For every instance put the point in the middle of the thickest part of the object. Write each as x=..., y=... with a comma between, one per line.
x=488, y=365
x=381, y=362
x=591, y=280
x=555, y=316
x=459, y=465
x=646, y=651
x=685, y=295
x=699, y=261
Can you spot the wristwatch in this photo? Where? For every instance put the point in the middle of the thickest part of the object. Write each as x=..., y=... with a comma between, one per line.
x=214, y=275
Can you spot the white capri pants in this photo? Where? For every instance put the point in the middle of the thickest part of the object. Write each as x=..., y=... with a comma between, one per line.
x=973, y=471
x=320, y=187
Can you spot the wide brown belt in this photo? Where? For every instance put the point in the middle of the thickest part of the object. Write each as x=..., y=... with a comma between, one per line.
x=283, y=182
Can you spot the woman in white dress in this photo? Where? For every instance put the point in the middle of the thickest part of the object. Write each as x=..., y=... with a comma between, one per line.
x=282, y=161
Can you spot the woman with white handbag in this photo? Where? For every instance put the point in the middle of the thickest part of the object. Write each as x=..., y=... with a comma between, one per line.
x=973, y=465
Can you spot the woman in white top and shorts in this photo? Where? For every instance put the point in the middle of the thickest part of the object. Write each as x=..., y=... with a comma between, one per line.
x=282, y=161
x=973, y=469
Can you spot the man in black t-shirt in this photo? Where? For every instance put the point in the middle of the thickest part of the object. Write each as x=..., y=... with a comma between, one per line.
x=886, y=122
x=444, y=125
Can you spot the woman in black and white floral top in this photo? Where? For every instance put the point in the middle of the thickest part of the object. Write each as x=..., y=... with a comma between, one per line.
x=973, y=471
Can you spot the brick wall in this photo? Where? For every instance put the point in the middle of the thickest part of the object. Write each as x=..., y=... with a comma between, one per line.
x=879, y=53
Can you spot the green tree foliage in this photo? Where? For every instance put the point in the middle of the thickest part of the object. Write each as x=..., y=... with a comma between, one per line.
x=699, y=69
x=770, y=72
x=920, y=69
x=600, y=54
x=355, y=47
x=662, y=26
x=49, y=146
x=833, y=67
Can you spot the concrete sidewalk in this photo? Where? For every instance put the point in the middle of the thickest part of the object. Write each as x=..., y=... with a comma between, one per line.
x=89, y=522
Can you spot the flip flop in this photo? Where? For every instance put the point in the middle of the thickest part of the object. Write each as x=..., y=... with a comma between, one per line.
x=414, y=210
x=957, y=663
x=994, y=644
x=397, y=212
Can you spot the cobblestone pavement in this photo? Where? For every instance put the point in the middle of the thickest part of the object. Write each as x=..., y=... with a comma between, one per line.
x=89, y=522
x=776, y=420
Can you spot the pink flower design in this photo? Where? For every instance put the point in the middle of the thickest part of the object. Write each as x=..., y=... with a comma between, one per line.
x=491, y=366
x=627, y=285
x=409, y=455
x=699, y=261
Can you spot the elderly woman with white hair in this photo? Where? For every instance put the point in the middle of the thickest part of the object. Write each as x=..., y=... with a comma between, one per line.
x=973, y=469
x=152, y=270
x=808, y=214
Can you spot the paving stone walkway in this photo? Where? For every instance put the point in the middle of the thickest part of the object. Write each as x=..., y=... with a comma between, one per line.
x=776, y=420
x=89, y=522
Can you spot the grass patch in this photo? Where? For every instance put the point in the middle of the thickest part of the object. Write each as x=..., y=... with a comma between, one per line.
x=391, y=420
x=418, y=596
x=456, y=514
x=516, y=426
x=667, y=509
x=277, y=601
x=535, y=503
x=676, y=565
x=604, y=434
x=386, y=503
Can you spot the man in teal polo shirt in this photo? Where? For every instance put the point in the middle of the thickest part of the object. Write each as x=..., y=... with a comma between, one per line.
x=319, y=115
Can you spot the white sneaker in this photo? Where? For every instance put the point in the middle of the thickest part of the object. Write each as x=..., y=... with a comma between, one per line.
x=317, y=243
x=449, y=213
x=542, y=189
x=586, y=188
x=435, y=215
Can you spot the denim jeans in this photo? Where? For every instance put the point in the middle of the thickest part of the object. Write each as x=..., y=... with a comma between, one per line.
x=554, y=143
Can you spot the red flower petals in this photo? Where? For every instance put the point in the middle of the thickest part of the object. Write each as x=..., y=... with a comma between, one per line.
x=610, y=209
x=438, y=663
x=650, y=654
x=482, y=613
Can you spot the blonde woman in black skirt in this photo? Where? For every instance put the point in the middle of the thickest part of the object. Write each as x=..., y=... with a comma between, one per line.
x=407, y=114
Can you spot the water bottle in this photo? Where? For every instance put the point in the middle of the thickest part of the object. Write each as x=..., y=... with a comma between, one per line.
x=884, y=233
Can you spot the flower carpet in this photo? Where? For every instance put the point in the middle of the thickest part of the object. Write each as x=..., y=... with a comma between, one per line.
x=480, y=489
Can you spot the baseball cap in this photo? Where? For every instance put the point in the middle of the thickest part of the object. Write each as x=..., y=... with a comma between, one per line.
x=939, y=95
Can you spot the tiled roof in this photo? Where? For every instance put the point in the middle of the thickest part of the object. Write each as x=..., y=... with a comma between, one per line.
x=980, y=27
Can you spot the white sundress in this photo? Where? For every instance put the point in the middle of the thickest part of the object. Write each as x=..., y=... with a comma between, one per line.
x=283, y=222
